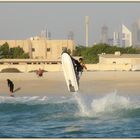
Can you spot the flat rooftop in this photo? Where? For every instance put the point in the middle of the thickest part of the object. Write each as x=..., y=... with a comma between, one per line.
x=120, y=56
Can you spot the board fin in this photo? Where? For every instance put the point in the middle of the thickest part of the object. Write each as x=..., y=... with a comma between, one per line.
x=12, y=95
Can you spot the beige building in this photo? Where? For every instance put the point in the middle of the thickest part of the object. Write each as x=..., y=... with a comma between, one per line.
x=45, y=54
x=120, y=61
x=42, y=48
x=27, y=65
x=118, y=58
x=107, y=62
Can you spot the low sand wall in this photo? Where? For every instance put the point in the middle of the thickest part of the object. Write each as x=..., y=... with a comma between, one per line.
x=109, y=67
x=58, y=67
x=28, y=68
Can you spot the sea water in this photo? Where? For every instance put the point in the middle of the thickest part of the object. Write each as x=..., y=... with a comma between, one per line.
x=75, y=116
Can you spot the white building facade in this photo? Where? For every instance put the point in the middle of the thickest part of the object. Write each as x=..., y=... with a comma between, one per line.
x=126, y=37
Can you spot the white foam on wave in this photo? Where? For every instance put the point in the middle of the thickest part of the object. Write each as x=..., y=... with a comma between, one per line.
x=107, y=104
x=33, y=100
x=30, y=100
x=60, y=100
x=110, y=103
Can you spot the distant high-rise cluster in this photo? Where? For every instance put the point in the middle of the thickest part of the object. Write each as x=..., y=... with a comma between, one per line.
x=122, y=38
x=45, y=33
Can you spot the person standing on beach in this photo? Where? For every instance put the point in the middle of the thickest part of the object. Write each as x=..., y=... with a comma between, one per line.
x=11, y=87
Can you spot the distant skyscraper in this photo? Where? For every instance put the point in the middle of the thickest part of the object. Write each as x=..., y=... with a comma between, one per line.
x=104, y=34
x=87, y=24
x=46, y=32
x=43, y=34
x=126, y=37
x=136, y=34
x=110, y=41
x=116, y=39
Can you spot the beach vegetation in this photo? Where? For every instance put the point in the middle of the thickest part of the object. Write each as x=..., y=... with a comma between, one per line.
x=4, y=49
x=91, y=54
x=15, y=52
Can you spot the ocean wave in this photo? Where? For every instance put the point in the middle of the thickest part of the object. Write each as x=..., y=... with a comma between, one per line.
x=36, y=100
x=111, y=104
x=30, y=100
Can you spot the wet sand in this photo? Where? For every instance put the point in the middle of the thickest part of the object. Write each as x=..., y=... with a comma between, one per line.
x=53, y=83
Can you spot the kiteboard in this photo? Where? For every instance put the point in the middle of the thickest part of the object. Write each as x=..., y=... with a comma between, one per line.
x=17, y=89
x=69, y=72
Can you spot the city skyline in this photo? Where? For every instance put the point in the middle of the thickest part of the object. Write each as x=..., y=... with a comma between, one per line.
x=24, y=20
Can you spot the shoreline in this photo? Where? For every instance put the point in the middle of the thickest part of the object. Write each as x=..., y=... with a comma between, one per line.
x=91, y=83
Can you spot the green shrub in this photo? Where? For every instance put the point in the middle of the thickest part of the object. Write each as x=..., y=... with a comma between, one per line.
x=91, y=54
x=10, y=70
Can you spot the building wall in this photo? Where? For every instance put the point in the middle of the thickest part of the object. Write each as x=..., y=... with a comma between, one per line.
x=56, y=47
x=28, y=68
x=38, y=49
x=106, y=64
x=109, y=67
x=58, y=67
x=123, y=62
x=41, y=48
x=104, y=60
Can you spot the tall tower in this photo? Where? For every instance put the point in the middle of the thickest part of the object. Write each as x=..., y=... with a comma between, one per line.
x=136, y=34
x=87, y=24
x=46, y=32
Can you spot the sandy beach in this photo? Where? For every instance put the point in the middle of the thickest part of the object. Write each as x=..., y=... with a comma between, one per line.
x=53, y=83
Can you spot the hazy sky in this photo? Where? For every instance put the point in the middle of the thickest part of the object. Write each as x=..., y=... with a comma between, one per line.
x=23, y=20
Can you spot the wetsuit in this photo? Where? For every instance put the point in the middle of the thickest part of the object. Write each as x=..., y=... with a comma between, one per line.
x=78, y=68
x=10, y=85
